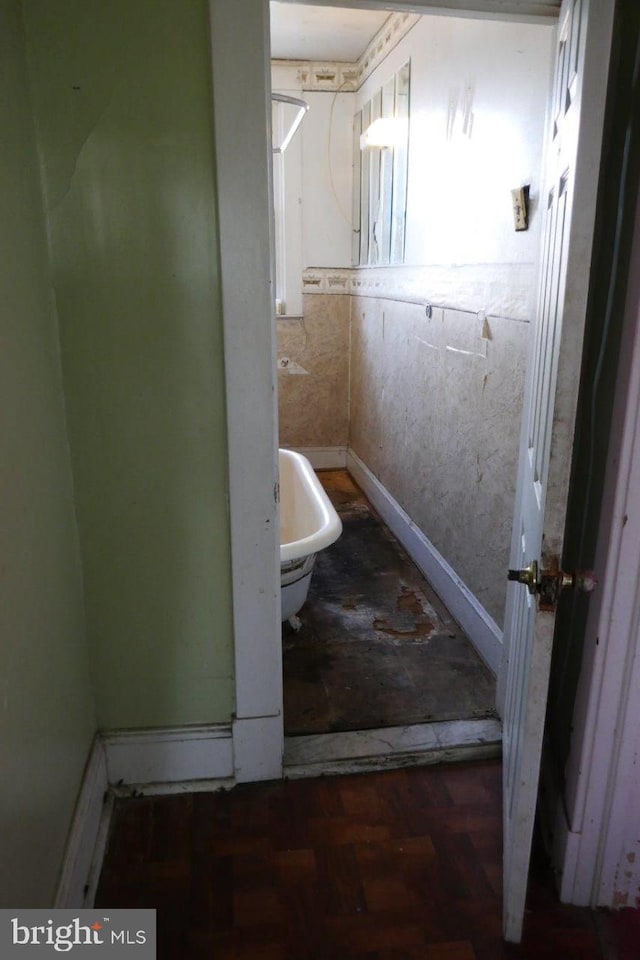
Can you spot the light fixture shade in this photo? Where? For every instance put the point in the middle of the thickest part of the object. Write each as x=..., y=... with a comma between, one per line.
x=385, y=132
x=301, y=106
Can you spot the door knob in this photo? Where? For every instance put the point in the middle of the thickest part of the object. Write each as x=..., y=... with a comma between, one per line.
x=549, y=583
x=528, y=576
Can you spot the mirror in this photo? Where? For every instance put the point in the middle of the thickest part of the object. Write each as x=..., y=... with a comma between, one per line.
x=381, y=154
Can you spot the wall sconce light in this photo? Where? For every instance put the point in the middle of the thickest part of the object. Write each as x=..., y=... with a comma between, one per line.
x=385, y=132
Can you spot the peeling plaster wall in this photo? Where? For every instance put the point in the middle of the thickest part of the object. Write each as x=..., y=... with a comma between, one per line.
x=122, y=99
x=435, y=414
x=313, y=373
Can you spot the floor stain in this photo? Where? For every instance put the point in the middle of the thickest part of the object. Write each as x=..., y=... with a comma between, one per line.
x=420, y=631
x=377, y=647
x=407, y=600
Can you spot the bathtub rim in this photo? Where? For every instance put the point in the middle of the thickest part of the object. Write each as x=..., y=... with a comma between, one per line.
x=331, y=525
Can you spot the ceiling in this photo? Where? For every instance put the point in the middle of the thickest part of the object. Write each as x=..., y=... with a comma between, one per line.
x=300, y=31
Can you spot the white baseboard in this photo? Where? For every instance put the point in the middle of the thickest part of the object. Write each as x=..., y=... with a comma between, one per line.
x=324, y=458
x=99, y=851
x=481, y=629
x=87, y=824
x=173, y=788
x=160, y=761
x=167, y=755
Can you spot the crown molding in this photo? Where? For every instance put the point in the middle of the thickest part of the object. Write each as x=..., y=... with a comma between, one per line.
x=335, y=75
x=393, y=30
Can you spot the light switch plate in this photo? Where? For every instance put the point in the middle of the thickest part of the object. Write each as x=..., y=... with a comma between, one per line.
x=520, y=200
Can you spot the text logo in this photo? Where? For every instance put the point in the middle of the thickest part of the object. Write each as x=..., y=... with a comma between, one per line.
x=38, y=933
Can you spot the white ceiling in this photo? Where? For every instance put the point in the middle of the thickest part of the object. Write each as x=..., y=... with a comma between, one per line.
x=300, y=31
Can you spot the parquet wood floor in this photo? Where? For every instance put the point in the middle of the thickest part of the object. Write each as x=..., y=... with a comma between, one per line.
x=399, y=865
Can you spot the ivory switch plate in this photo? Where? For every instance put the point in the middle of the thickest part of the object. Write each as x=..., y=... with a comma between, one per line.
x=520, y=200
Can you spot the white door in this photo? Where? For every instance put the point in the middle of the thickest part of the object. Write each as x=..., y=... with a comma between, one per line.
x=568, y=199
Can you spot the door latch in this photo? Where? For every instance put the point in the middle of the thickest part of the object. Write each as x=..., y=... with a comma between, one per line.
x=549, y=583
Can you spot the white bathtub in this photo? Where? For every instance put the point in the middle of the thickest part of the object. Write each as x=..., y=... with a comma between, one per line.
x=308, y=523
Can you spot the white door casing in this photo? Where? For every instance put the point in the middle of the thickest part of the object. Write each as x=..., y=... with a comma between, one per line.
x=571, y=178
x=242, y=128
x=241, y=76
x=597, y=824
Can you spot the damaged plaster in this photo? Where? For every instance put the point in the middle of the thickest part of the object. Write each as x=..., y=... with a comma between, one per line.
x=435, y=414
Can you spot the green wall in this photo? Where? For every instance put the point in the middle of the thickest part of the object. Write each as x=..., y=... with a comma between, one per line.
x=123, y=113
x=46, y=713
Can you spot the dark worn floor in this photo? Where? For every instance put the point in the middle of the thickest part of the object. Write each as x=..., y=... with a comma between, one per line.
x=377, y=648
x=400, y=865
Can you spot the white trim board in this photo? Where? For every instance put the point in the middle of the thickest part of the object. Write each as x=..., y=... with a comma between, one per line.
x=242, y=88
x=87, y=826
x=481, y=630
x=598, y=845
x=324, y=458
x=169, y=755
x=388, y=747
x=172, y=789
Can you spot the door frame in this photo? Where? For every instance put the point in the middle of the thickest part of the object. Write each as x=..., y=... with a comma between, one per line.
x=241, y=74
x=595, y=820
x=241, y=84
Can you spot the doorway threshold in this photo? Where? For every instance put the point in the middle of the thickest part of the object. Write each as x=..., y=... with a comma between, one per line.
x=357, y=751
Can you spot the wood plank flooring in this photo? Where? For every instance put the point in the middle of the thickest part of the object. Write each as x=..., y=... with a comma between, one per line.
x=400, y=865
x=377, y=647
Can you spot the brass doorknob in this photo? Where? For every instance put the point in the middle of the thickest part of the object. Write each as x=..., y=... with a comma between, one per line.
x=550, y=582
x=528, y=576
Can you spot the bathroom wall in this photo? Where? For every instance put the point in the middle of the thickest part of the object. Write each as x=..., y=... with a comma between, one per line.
x=478, y=100
x=318, y=167
x=435, y=415
x=46, y=713
x=122, y=102
x=313, y=373
x=313, y=342
x=435, y=408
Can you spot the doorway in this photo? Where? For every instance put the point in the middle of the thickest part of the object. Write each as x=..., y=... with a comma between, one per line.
x=244, y=178
x=404, y=361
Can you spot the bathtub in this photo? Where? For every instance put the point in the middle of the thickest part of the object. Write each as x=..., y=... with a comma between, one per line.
x=308, y=523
